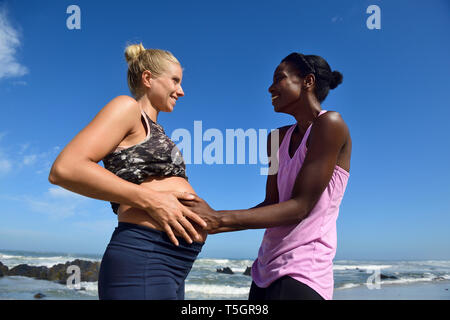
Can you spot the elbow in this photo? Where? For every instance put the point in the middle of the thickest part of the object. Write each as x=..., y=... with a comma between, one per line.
x=56, y=174
x=53, y=176
x=300, y=210
x=52, y=179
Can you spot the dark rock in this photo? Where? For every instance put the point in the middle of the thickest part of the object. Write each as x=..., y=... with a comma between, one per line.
x=25, y=270
x=225, y=270
x=39, y=295
x=3, y=270
x=88, y=271
x=382, y=277
x=248, y=271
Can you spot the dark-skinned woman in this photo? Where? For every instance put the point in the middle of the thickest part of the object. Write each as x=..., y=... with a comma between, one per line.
x=295, y=259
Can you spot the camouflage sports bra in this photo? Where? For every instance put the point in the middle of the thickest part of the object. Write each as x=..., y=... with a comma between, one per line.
x=157, y=155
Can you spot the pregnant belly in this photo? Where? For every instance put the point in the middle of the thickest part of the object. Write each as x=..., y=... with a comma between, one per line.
x=130, y=214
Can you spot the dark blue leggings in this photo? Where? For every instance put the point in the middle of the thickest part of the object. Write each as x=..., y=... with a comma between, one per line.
x=141, y=263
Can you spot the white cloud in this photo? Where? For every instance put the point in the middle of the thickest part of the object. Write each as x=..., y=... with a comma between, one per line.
x=53, y=209
x=61, y=193
x=30, y=159
x=20, y=83
x=5, y=163
x=27, y=157
x=9, y=42
x=24, y=147
x=5, y=166
x=336, y=19
x=46, y=160
x=57, y=203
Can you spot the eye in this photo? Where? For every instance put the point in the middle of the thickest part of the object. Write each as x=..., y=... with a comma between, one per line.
x=278, y=78
x=176, y=80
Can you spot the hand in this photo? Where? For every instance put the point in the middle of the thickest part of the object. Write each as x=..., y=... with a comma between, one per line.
x=166, y=209
x=204, y=211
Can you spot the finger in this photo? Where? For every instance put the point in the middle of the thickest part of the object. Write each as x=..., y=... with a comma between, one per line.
x=184, y=195
x=194, y=217
x=171, y=235
x=197, y=198
x=189, y=228
x=179, y=228
x=187, y=203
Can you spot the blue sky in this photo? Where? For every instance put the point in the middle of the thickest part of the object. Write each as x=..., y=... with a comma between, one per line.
x=394, y=99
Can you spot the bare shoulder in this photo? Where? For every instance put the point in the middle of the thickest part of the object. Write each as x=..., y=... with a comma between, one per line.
x=333, y=121
x=122, y=105
x=105, y=132
x=122, y=113
x=124, y=99
x=332, y=116
x=330, y=126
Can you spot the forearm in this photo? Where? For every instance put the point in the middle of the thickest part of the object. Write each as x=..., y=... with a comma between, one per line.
x=225, y=229
x=284, y=213
x=232, y=229
x=92, y=180
x=262, y=204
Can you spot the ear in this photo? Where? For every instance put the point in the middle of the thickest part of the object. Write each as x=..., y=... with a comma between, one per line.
x=309, y=81
x=147, y=78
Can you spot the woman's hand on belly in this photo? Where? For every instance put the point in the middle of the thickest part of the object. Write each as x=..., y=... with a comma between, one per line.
x=165, y=209
x=209, y=215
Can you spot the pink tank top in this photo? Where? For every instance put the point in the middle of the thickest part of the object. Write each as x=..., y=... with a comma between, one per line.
x=304, y=251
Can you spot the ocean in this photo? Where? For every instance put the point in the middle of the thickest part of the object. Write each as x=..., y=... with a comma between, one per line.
x=205, y=283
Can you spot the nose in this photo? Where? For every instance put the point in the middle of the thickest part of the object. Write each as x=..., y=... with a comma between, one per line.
x=271, y=89
x=180, y=92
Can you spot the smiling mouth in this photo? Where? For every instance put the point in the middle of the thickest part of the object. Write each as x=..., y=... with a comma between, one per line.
x=274, y=97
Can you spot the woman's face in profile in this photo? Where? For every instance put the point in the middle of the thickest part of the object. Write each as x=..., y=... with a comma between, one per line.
x=286, y=88
x=166, y=89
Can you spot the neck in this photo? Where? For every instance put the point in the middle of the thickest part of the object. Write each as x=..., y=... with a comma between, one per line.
x=148, y=108
x=307, y=113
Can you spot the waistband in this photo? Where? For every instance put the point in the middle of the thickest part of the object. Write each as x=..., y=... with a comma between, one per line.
x=159, y=235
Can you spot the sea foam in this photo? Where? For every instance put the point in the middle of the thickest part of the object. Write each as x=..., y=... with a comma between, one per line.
x=216, y=290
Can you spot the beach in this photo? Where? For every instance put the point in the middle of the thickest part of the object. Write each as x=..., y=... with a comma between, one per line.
x=416, y=291
x=389, y=280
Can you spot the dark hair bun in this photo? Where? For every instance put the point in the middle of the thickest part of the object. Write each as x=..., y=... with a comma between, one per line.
x=336, y=79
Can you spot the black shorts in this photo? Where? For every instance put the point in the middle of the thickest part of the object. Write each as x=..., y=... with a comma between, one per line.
x=285, y=288
x=142, y=263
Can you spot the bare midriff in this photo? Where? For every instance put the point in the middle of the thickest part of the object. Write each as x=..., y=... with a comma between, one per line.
x=130, y=214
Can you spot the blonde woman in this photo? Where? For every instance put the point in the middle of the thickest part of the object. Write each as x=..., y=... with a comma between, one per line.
x=157, y=239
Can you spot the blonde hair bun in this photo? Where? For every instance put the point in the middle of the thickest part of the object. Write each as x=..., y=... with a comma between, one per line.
x=133, y=51
x=140, y=59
